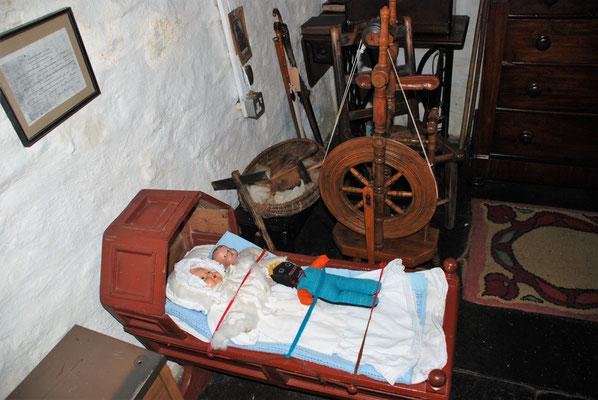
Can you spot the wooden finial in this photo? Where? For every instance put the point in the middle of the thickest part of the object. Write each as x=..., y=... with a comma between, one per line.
x=450, y=265
x=437, y=378
x=384, y=17
x=392, y=4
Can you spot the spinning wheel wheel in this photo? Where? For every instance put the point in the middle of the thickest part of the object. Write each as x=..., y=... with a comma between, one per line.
x=409, y=191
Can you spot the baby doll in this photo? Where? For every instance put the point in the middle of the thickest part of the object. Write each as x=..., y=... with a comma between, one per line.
x=210, y=277
x=243, y=316
x=225, y=255
x=242, y=261
x=335, y=289
x=196, y=283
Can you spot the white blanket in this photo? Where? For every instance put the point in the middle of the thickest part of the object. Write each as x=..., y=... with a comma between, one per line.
x=395, y=339
x=395, y=343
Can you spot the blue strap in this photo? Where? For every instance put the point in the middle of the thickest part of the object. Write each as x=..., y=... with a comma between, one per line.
x=308, y=314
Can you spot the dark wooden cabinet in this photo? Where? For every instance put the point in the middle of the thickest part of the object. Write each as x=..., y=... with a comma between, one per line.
x=537, y=118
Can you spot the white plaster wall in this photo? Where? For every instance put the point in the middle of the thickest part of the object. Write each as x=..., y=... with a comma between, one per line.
x=166, y=118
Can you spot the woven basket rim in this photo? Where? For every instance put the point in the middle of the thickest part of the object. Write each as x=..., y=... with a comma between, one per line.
x=296, y=205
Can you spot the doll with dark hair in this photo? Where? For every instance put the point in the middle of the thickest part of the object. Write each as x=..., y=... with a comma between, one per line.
x=334, y=289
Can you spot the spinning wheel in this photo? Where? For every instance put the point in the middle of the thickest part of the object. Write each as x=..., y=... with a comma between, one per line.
x=383, y=192
x=409, y=193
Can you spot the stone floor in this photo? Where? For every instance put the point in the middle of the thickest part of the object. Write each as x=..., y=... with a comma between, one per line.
x=500, y=353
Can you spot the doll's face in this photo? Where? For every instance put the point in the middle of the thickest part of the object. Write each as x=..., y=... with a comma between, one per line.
x=225, y=255
x=211, y=278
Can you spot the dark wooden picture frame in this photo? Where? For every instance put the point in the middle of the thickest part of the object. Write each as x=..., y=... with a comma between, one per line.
x=45, y=74
x=239, y=33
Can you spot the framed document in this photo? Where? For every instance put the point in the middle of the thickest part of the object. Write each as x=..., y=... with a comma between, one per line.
x=45, y=74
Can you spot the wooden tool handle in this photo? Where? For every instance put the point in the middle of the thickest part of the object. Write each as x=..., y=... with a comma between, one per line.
x=250, y=206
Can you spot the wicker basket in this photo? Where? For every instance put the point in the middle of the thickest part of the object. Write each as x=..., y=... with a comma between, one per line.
x=292, y=146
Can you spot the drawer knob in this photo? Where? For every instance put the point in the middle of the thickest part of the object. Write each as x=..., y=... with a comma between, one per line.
x=543, y=42
x=526, y=137
x=534, y=89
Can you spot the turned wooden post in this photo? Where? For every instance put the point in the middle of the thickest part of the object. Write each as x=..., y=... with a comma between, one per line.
x=380, y=79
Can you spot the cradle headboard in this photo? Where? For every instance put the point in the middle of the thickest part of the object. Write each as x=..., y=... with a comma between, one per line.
x=151, y=234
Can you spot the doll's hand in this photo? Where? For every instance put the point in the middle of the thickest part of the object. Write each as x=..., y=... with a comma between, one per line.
x=320, y=262
x=305, y=297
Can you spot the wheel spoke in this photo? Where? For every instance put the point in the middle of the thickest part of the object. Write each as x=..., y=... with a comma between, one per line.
x=393, y=179
x=359, y=177
x=351, y=189
x=392, y=205
x=358, y=205
x=398, y=193
x=369, y=168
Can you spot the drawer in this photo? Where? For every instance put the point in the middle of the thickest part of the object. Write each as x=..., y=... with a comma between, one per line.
x=552, y=41
x=549, y=88
x=566, y=8
x=564, y=139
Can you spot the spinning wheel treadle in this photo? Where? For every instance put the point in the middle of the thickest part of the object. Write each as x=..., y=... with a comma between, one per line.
x=409, y=189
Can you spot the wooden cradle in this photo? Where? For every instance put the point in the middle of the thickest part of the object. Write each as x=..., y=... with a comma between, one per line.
x=155, y=231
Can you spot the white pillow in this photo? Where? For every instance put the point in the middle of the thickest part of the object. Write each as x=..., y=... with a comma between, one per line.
x=201, y=251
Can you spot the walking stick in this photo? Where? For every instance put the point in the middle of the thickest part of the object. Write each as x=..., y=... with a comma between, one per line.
x=477, y=54
x=282, y=33
x=287, y=83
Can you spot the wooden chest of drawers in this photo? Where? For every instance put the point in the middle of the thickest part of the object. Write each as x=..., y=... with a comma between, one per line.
x=537, y=119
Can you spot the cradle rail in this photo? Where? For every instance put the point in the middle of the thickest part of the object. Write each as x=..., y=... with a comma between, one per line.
x=139, y=250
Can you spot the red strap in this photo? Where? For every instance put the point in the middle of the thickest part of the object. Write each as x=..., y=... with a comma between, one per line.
x=382, y=265
x=261, y=256
x=232, y=301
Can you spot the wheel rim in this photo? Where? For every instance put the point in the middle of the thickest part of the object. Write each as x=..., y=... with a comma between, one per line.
x=409, y=193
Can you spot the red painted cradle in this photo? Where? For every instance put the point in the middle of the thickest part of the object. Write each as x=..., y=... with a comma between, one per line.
x=140, y=249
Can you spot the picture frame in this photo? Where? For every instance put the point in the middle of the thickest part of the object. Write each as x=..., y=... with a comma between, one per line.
x=239, y=34
x=45, y=74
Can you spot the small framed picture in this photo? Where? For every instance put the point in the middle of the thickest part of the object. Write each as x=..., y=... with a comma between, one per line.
x=45, y=74
x=239, y=33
